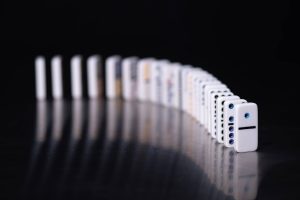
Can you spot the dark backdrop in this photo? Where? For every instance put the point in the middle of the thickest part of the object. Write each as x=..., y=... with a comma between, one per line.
x=252, y=46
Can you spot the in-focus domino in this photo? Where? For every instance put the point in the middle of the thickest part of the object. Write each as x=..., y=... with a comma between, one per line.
x=247, y=127
x=76, y=76
x=230, y=121
x=208, y=90
x=56, y=76
x=212, y=103
x=40, y=78
x=95, y=77
x=113, y=72
x=129, y=78
x=220, y=116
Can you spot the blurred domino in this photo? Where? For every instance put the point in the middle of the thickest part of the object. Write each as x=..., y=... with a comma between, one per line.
x=94, y=76
x=129, y=78
x=40, y=78
x=144, y=78
x=76, y=76
x=113, y=77
x=156, y=80
x=56, y=75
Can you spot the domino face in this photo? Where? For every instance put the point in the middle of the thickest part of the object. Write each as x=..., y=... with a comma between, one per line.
x=76, y=76
x=95, y=77
x=247, y=126
x=212, y=100
x=230, y=121
x=144, y=79
x=209, y=90
x=156, y=80
x=56, y=75
x=40, y=78
x=175, y=82
x=113, y=77
x=201, y=88
x=129, y=78
x=220, y=116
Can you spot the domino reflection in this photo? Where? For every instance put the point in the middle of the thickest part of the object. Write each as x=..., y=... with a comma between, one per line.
x=97, y=149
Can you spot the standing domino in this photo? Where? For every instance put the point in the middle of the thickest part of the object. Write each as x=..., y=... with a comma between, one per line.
x=229, y=123
x=113, y=75
x=246, y=133
x=129, y=78
x=57, y=81
x=220, y=116
x=156, y=80
x=144, y=78
x=40, y=78
x=76, y=76
x=94, y=76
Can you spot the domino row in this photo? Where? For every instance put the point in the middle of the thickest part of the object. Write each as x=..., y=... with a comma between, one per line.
x=228, y=118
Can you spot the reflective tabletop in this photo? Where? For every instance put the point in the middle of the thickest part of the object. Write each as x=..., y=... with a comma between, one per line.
x=114, y=149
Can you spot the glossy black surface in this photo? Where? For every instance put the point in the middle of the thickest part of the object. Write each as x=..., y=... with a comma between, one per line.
x=129, y=150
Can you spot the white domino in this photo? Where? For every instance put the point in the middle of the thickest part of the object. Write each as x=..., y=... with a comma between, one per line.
x=76, y=77
x=246, y=127
x=94, y=76
x=230, y=121
x=113, y=77
x=157, y=80
x=56, y=75
x=175, y=77
x=40, y=78
x=144, y=78
x=129, y=78
x=208, y=91
x=202, y=86
x=220, y=116
x=212, y=121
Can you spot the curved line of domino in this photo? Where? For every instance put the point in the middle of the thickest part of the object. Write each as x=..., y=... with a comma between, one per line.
x=229, y=119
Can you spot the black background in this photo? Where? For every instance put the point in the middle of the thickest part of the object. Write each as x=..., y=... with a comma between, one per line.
x=252, y=46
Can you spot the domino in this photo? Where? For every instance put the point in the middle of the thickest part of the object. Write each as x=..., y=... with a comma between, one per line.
x=175, y=76
x=184, y=73
x=212, y=105
x=230, y=121
x=210, y=89
x=157, y=80
x=76, y=76
x=201, y=88
x=129, y=78
x=40, y=78
x=144, y=78
x=113, y=77
x=95, y=77
x=199, y=76
x=247, y=126
x=220, y=116
x=56, y=75
x=205, y=77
